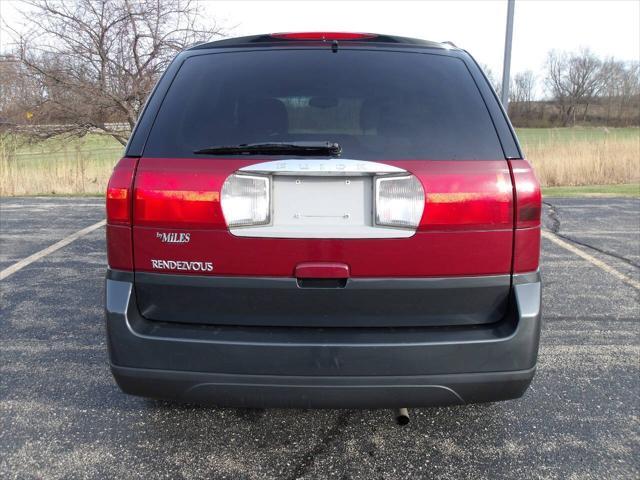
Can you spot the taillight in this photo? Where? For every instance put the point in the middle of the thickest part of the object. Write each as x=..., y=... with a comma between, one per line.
x=323, y=36
x=464, y=195
x=399, y=201
x=119, y=243
x=181, y=193
x=119, y=192
x=526, y=253
x=246, y=200
x=528, y=196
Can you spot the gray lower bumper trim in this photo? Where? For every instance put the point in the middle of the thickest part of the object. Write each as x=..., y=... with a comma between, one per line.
x=323, y=392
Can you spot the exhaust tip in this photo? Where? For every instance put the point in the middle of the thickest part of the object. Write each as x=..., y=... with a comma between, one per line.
x=402, y=416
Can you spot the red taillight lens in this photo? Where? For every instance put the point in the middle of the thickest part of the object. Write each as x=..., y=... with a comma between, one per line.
x=119, y=244
x=526, y=254
x=323, y=36
x=528, y=196
x=183, y=193
x=119, y=192
x=464, y=195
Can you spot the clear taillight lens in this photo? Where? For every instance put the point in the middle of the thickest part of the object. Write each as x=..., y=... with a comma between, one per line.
x=399, y=201
x=246, y=200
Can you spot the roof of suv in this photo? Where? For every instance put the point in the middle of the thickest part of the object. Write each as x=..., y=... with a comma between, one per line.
x=274, y=39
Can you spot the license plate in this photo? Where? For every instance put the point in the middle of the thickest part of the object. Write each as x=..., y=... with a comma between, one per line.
x=333, y=202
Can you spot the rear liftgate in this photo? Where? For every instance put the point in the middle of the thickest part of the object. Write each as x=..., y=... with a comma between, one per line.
x=323, y=243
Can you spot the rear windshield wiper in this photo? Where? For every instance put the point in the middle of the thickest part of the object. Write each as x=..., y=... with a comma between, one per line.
x=275, y=148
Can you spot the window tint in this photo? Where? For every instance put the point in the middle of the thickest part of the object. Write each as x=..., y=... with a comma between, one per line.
x=376, y=104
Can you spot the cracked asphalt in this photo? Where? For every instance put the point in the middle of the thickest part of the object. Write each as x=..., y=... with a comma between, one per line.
x=62, y=416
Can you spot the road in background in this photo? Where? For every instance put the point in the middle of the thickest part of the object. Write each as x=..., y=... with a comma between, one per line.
x=61, y=414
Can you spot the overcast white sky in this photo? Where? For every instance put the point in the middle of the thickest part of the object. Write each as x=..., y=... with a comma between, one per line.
x=608, y=27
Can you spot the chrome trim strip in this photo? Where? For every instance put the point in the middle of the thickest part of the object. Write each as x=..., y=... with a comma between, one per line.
x=322, y=231
x=329, y=167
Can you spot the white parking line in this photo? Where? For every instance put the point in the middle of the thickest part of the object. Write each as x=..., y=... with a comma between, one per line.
x=600, y=232
x=50, y=249
x=591, y=259
x=20, y=206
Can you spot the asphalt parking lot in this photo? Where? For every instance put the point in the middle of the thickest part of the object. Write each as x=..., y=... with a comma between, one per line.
x=62, y=416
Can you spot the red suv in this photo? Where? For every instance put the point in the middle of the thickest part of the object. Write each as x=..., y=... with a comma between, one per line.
x=323, y=220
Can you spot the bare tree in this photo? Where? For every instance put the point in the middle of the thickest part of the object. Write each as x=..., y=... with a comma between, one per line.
x=522, y=90
x=96, y=61
x=17, y=92
x=621, y=89
x=573, y=79
x=630, y=92
x=612, y=78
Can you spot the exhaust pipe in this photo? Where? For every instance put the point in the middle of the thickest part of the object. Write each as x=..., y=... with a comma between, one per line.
x=402, y=416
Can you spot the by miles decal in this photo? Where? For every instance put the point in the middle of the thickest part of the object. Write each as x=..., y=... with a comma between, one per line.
x=173, y=237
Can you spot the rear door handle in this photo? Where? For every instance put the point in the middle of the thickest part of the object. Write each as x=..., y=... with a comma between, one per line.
x=322, y=270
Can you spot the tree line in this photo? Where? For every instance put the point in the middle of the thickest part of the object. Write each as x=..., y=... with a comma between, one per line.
x=89, y=65
x=575, y=88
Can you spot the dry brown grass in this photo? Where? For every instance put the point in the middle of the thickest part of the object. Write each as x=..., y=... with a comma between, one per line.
x=598, y=159
x=579, y=164
x=56, y=167
x=77, y=177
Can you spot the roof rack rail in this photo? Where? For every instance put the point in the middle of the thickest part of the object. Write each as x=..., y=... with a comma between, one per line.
x=449, y=42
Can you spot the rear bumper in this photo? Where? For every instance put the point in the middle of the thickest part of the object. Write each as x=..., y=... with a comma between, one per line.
x=323, y=367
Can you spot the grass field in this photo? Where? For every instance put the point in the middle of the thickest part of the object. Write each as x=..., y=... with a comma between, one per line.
x=78, y=166
x=561, y=156
x=583, y=156
x=621, y=190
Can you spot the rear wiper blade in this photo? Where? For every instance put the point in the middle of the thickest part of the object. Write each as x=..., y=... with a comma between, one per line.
x=275, y=148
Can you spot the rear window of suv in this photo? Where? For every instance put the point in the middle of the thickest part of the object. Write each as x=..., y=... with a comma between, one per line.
x=376, y=104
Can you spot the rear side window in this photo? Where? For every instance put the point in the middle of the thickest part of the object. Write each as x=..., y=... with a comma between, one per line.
x=376, y=104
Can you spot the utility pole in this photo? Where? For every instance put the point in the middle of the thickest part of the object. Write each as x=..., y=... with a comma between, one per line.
x=506, y=67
